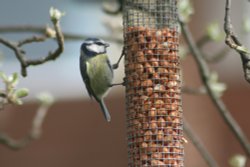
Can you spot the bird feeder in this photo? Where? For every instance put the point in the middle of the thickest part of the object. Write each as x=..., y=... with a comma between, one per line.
x=153, y=85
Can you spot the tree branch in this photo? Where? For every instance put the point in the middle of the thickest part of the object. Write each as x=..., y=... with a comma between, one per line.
x=233, y=42
x=205, y=74
x=31, y=40
x=20, y=54
x=34, y=133
x=199, y=145
x=51, y=55
x=44, y=30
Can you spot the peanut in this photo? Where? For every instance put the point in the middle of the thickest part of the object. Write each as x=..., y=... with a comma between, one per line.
x=153, y=96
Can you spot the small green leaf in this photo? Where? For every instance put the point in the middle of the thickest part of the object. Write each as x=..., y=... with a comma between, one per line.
x=217, y=87
x=22, y=92
x=3, y=76
x=214, y=32
x=242, y=49
x=185, y=10
x=13, y=79
x=18, y=102
x=15, y=100
x=238, y=161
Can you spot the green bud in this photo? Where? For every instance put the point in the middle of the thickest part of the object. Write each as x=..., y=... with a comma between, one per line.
x=18, y=102
x=22, y=92
x=3, y=76
x=214, y=32
x=242, y=49
x=15, y=100
x=185, y=10
x=55, y=14
x=51, y=33
x=46, y=98
x=13, y=79
x=238, y=161
x=217, y=87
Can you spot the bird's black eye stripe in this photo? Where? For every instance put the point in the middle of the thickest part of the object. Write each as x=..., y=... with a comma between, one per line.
x=99, y=43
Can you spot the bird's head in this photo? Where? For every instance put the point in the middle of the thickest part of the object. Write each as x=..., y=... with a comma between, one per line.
x=93, y=46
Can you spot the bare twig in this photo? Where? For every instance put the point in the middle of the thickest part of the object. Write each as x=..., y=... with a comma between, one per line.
x=205, y=74
x=56, y=53
x=31, y=40
x=199, y=145
x=233, y=42
x=23, y=28
x=43, y=29
x=21, y=56
x=18, y=52
x=34, y=133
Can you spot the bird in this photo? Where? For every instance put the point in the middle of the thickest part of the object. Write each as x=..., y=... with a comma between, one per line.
x=96, y=71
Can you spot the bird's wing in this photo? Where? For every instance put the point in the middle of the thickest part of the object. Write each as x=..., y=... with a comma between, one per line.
x=85, y=77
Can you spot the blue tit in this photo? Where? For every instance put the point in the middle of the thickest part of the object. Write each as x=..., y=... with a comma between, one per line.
x=96, y=71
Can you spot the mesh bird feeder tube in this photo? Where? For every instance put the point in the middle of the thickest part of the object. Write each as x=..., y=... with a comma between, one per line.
x=153, y=86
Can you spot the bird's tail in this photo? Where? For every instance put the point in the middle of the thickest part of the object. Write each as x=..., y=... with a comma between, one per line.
x=104, y=110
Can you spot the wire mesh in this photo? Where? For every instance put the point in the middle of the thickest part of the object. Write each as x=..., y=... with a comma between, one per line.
x=153, y=85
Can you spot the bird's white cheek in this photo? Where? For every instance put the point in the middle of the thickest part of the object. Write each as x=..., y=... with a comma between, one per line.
x=96, y=48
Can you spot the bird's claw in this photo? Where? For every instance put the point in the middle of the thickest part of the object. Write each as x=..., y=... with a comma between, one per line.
x=117, y=84
x=115, y=66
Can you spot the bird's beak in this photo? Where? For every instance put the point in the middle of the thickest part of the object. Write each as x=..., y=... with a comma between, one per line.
x=106, y=45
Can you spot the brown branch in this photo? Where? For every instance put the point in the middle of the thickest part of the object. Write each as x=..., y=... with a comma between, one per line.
x=199, y=145
x=51, y=55
x=31, y=40
x=204, y=72
x=43, y=29
x=23, y=28
x=233, y=42
x=20, y=54
x=34, y=133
